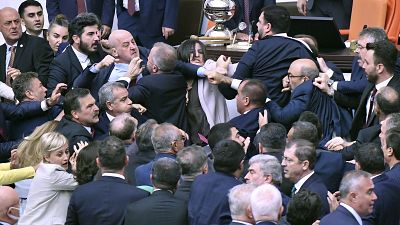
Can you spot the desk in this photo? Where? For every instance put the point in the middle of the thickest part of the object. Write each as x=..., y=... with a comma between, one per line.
x=342, y=58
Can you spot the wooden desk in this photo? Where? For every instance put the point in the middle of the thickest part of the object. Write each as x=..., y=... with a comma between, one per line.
x=342, y=58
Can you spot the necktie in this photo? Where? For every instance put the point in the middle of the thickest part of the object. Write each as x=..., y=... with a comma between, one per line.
x=371, y=105
x=92, y=132
x=131, y=7
x=81, y=6
x=293, y=192
x=10, y=64
x=246, y=4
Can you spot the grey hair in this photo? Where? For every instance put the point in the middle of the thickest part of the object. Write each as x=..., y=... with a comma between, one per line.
x=164, y=56
x=269, y=165
x=239, y=199
x=375, y=34
x=192, y=159
x=310, y=72
x=106, y=93
x=393, y=120
x=163, y=136
x=351, y=181
x=266, y=201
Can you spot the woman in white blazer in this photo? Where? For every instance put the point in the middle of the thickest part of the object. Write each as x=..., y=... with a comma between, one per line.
x=52, y=186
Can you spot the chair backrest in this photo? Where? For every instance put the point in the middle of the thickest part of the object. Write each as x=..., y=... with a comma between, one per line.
x=371, y=13
x=392, y=25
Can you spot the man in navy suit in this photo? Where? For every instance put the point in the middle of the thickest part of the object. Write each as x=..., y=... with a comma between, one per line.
x=357, y=199
x=31, y=13
x=268, y=59
x=104, y=9
x=266, y=205
x=208, y=203
x=369, y=158
x=239, y=204
x=104, y=201
x=391, y=151
x=149, y=21
x=298, y=166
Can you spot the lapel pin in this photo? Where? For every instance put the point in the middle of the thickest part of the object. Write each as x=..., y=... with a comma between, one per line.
x=21, y=45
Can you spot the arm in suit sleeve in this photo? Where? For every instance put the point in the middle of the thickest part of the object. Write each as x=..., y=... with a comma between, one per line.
x=170, y=13
x=57, y=75
x=20, y=111
x=8, y=176
x=5, y=150
x=139, y=93
x=43, y=55
x=107, y=16
x=188, y=70
x=53, y=9
x=85, y=79
x=352, y=86
x=346, y=100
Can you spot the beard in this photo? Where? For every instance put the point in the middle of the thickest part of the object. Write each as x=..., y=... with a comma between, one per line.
x=87, y=48
x=372, y=78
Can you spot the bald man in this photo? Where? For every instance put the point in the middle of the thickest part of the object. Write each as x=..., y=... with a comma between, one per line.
x=21, y=52
x=9, y=207
x=305, y=97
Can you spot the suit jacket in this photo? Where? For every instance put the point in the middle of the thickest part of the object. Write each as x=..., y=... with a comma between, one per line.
x=164, y=96
x=330, y=168
x=266, y=223
x=104, y=9
x=340, y=216
x=208, y=203
x=394, y=173
x=102, y=127
x=136, y=158
x=361, y=113
x=387, y=206
x=92, y=203
x=366, y=135
x=268, y=60
x=142, y=172
x=315, y=184
x=161, y=208
x=66, y=67
x=183, y=190
x=32, y=54
x=306, y=97
x=74, y=132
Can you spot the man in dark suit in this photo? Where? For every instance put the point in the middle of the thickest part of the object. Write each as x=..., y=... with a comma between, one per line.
x=83, y=51
x=357, y=199
x=272, y=140
x=135, y=16
x=21, y=52
x=208, y=203
x=31, y=13
x=339, y=10
x=248, y=12
x=193, y=161
x=167, y=140
x=162, y=207
x=239, y=204
x=391, y=151
x=104, y=9
x=93, y=202
x=163, y=93
x=266, y=205
x=298, y=166
x=268, y=59
x=369, y=158
x=81, y=114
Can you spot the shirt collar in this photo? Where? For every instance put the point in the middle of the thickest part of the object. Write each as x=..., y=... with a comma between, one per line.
x=40, y=35
x=302, y=181
x=81, y=56
x=301, y=41
x=241, y=222
x=110, y=117
x=383, y=83
x=89, y=129
x=121, y=66
x=113, y=175
x=281, y=34
x=353, y=212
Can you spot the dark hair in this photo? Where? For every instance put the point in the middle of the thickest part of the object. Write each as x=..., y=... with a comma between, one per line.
x=219, y=132
x=305, y=150
x=308, y=116
x=370, y=158
x=228, y=156
x=166, y=173
x=256, y=91
x=388, y=100
x=27, y=3
x=385, y=52
x=305, y=130
x=310, y=41
x=187, y=47
x=78, y=24
x=86, y=167
x=60, y=20
x=143, y=135
x=22, y=83
x=273, y=136
x=191, y=159
x=71, y=100
x=393, y=141
x=278, y=17
x=304, y=208
x=112, y=155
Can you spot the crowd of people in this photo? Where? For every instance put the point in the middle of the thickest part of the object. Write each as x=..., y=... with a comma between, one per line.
x=101, y=126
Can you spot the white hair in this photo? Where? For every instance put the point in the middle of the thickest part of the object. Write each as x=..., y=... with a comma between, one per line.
x=266, y=202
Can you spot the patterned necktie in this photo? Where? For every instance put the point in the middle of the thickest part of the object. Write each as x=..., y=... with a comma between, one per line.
x=246, y=4
x=81, y=6
x=10, y=64
x=131, y=7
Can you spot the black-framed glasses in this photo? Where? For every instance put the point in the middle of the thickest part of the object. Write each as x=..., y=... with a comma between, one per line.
x=293, y=76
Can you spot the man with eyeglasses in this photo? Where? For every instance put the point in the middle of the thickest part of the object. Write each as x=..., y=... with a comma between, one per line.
x=9, y=207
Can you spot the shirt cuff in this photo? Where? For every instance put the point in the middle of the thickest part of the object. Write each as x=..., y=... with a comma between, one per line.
x=334, y=85
x=93, y=68
x=329, y=73
x=235, y=84
x=201, y=71
x=44, y=106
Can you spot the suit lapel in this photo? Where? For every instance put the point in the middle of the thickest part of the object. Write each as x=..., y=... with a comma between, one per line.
x=3, y=62
x=74, y=59
x=20, y=50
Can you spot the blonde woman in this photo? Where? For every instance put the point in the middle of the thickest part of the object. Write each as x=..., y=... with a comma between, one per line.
x=52, y=185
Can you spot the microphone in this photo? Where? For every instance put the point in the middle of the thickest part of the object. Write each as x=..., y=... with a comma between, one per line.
x=242, y=26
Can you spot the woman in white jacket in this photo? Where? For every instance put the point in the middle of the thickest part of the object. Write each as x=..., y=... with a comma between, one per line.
x=52, y=186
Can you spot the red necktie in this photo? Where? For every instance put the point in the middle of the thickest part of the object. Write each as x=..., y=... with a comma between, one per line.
x=131, y=7
x=246, y=4
x=10, y=64
x=81, y=6
x=371, y=105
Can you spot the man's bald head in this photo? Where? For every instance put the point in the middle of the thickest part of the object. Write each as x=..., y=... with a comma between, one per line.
x=8, y=198
x=123, y=46
x=10, y=25
x=301, y=70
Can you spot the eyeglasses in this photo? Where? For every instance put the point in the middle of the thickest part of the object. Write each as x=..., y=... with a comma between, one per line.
x=360, y=47
x=289, y=75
